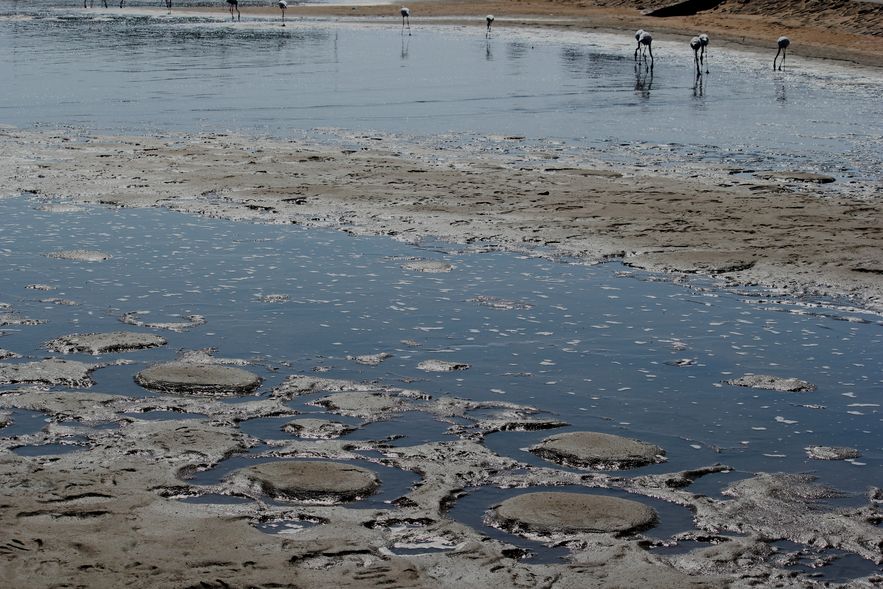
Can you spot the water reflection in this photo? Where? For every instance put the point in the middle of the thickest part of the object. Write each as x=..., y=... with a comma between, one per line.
x=643, y=81
x=780, y=91
x=406, y=43
x=488, y=53
x=516, y=50
x=699, y=85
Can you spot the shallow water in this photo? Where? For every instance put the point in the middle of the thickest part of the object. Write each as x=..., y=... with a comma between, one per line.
x=598, y=346
x=130, y=70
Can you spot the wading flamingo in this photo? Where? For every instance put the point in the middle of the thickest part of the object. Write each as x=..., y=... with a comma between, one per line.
x=638, y=34
x=783, y=49
x=490, y=20
x=703, y=39
x=234, y=5
x=696, y=46
x=646, y=39
x=406, y=17
x=282, y=6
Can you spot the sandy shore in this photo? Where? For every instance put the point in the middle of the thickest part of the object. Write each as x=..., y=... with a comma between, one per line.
x=754, y=231
x=847, y=30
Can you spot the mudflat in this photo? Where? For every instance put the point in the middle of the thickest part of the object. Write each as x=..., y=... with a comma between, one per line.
x=750, y=232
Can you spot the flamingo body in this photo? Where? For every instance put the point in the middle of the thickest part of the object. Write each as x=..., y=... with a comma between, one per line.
x=783, y=43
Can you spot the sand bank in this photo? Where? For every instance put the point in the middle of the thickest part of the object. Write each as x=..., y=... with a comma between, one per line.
x=751, y=231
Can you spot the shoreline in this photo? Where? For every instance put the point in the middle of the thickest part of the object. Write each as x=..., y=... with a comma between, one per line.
x=815, y=33
x=754, y=232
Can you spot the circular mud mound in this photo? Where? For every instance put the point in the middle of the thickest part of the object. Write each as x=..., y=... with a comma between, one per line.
x=104, y=343
x=311, y=480
x=185, y=378
x=597, y=450
x=549, y=513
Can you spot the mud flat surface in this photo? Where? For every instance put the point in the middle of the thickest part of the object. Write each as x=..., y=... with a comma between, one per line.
x=66, y=513
x=121, y=484
x=755, y=234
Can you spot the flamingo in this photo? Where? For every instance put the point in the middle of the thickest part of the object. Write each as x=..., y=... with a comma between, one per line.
x=703, y=39
x=169, y=5
x=282, y=6
x=234, y=5
x=783, y=43
x=696, y=46
x=646, y=39
x=490, y=20
x=638, y=34
x=406, y=16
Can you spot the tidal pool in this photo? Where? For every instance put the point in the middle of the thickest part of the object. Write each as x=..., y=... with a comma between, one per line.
x=135, y=71
x=601, y=347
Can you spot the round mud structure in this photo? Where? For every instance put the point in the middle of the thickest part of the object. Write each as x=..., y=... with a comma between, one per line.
x=311, y=480
x=597, y=450
x=197, y=379
x=550, y=513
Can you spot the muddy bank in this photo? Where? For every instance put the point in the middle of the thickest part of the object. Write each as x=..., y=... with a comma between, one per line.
x=114, y=513
x=750, y=232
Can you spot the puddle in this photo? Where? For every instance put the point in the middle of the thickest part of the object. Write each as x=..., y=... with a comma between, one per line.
x=23, y=423
x=394, y=483
x=832, y=566
x=72, y=444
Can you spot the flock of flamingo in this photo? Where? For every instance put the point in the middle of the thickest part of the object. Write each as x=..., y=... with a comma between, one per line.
x=645, y=40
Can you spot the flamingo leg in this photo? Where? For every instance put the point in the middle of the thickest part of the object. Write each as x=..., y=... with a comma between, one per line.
x=776, y=57
x=784, y=53
x=650, y=49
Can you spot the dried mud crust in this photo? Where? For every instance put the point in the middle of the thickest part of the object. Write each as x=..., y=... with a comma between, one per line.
x=64, y=515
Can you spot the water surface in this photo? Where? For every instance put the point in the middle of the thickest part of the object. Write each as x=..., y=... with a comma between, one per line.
x=125, y=70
